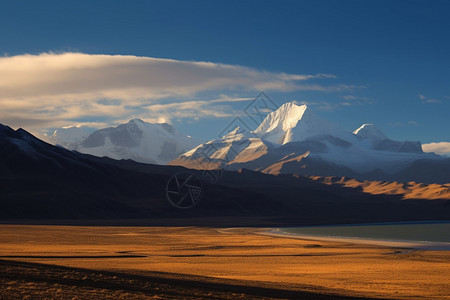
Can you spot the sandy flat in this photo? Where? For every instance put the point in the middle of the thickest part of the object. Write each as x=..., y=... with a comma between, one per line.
x=239, y=254
x=408, y=245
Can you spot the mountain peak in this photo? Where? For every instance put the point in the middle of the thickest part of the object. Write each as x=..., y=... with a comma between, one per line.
x=136, y=120
x=292, y=122
x=137, y=123
x=142, y=125
x=369, y=131
x=233, y=132
x=237, y=130
x=285, y=117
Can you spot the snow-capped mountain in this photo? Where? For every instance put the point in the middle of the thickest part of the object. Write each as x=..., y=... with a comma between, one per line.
x=293, y=139
x=137, y=140
x=238, y=146
x=69, y=137
x=292, y=122
x=370, y=132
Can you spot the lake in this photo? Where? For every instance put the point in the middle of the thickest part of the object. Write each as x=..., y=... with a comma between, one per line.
x=428, y=232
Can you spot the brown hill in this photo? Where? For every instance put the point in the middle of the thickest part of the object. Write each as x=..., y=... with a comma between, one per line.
x=408, y=190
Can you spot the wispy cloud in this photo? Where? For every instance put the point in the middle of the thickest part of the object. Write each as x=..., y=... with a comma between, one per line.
x=433, y=101
x=404, y=124
x=349, y=100
x=196, y=109
x=428, y=100
x=358, y=99
x=442, y=148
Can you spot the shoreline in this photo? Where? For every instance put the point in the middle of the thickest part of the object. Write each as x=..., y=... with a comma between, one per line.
x=416, y=245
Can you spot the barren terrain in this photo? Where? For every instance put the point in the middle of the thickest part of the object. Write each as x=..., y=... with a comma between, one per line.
x=198, y=262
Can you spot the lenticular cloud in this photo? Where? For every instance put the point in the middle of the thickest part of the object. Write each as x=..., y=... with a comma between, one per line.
x=88, y=76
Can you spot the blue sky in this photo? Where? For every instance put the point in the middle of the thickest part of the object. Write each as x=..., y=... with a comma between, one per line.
x=381, y=62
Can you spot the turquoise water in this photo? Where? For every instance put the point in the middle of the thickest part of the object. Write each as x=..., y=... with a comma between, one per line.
x=411, y=232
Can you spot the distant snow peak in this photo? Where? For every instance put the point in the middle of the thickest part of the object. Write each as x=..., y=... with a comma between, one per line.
x=284, y=118
x=292, y=122
x=362, y=128
x=145, y=142
x=136, y=120
x=138, y=123
x=69, y=135
x=379, y=141
x=370, y=131
x=233, y=132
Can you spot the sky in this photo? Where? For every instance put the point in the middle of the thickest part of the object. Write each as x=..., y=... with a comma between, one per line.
x=199, y=64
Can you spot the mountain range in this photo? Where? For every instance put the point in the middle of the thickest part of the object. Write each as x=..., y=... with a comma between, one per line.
x=40, y=181
x=293, y=140
x=290, y=140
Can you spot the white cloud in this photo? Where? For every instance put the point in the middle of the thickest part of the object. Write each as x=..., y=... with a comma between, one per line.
x=433, y=101
x=49, y=89
x=358, y=100
x=404, y=124
x=194, y=109
x=427, y=100
x=350, y=100
x=442, y=148
x=74, y=76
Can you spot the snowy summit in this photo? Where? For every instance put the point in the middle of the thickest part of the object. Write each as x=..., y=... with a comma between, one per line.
x=293, y=139
x=156, y=143
x=292, y=122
